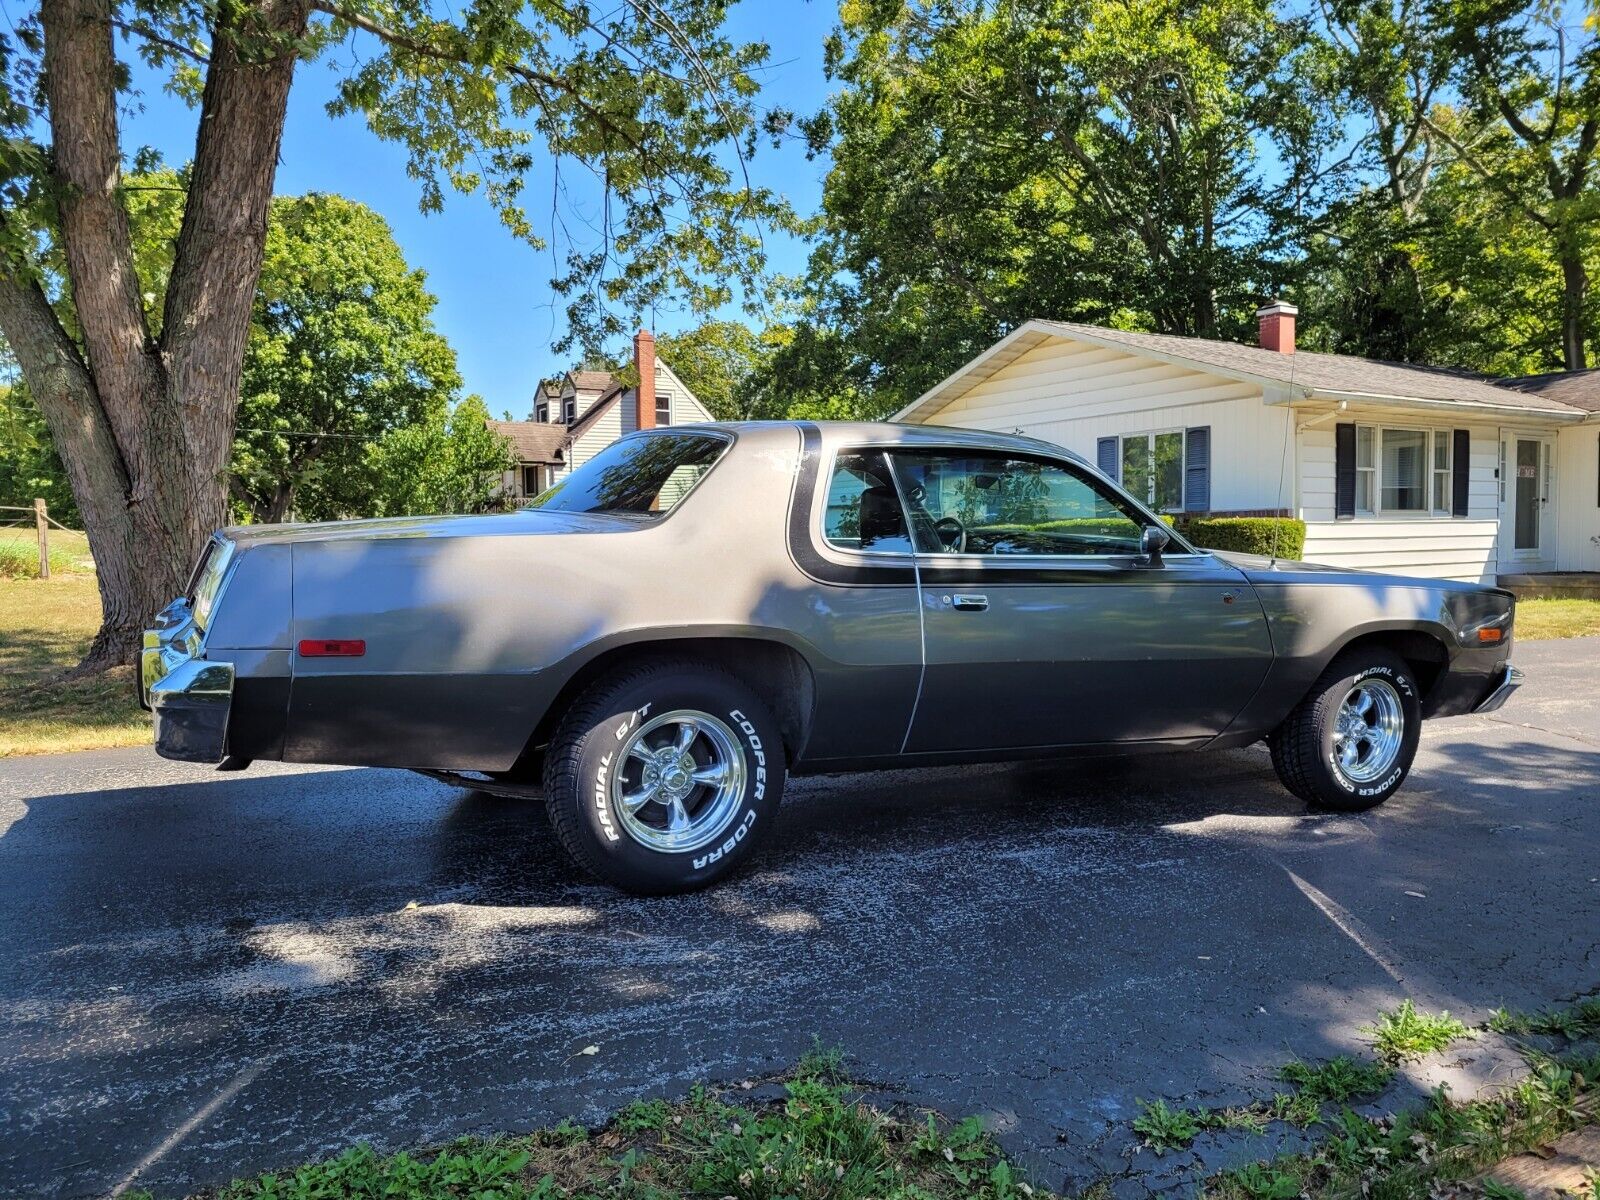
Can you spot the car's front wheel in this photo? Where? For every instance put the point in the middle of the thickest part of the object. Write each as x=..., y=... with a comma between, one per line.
x=664, y=777
x=1349, y=744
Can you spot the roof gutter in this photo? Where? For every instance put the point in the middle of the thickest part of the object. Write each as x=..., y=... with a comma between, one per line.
x=1430, y=405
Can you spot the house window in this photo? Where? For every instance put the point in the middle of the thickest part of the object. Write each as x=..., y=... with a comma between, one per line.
x=1443, y=493
x=1152, y=469
x=1403, y=456
x=541, y=412
x=531, y=484
x=569, y=409
x=1404, y=471
x=1366, y=470
x=663, y=410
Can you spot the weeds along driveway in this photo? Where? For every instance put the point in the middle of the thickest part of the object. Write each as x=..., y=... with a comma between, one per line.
x=202, y=975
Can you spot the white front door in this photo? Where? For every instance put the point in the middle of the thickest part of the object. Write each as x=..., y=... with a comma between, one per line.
x=1527, y=520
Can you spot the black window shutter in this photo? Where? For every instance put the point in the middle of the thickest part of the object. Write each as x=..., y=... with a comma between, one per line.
x=1344, y=469
x=1105, y=456
x=1460, y=472
x=1197, y=469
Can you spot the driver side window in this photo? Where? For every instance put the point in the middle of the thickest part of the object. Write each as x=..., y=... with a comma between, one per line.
x=977, y=503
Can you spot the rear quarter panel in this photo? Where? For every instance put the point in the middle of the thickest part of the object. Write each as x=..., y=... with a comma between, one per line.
x=469, y=639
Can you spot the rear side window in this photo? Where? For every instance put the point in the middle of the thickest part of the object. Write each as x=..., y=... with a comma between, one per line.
x=864, y=511
x=645, y=475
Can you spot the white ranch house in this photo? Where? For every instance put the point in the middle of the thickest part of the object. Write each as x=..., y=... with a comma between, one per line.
x=579, y=416
x=1392, y=467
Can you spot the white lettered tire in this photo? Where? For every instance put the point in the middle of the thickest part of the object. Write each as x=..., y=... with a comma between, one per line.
x=664, y=777
x=1350, y=743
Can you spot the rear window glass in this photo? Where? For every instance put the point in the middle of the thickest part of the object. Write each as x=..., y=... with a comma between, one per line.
x=645, y=475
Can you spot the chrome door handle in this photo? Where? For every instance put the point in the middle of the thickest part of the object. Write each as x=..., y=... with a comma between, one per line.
x=969, y=602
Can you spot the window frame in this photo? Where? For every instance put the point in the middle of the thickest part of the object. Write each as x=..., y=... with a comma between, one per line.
x=1150, y=444
x=541, y=412
x=1434, y=437
x=663, y=410
x=569, y=410
x=1177, y=546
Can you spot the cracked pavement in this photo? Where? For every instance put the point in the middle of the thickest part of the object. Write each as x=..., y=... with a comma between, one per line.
x=203, y=976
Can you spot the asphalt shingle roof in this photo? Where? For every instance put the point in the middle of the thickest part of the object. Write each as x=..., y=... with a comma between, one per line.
x=1580, y=389
x=533, y=441
x=591, y=381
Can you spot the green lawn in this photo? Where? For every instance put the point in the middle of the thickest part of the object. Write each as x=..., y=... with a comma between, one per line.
x=45, y=626
x=1538, y=620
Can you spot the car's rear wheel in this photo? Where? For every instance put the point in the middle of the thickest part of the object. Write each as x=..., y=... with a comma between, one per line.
x=1350, y=743
x=664, y=777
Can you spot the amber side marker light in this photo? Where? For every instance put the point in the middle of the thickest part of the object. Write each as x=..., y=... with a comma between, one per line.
x=1490, y=635
x=332, y=648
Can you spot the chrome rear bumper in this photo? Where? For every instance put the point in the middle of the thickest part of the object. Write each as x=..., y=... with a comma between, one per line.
x=190, y=696
x=1510, y=680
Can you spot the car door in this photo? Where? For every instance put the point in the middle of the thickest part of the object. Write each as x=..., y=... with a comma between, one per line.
x=1043, y=625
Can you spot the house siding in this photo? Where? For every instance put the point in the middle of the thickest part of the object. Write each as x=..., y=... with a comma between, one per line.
x=1578, y=497
x=1072, y=395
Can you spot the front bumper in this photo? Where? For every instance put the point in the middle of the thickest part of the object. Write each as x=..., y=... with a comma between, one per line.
x=191, y=696
x=1508, y=681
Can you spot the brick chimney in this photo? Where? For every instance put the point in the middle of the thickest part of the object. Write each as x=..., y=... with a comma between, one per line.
x=644, y=361
x=1277, y=326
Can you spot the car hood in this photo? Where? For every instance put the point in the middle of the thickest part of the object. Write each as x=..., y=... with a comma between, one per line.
x=523, y=522
x=1258, y=568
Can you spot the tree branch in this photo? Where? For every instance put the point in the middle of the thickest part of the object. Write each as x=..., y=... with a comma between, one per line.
x=140, y=29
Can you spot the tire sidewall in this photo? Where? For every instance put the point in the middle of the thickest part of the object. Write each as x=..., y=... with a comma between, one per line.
x=1338, y=790
x=614, y=853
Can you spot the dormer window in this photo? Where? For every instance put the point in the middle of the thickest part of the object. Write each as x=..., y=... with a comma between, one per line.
x=569, y=409
x=541, y=413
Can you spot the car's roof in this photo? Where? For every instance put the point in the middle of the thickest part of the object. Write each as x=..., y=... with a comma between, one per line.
x=891, y=433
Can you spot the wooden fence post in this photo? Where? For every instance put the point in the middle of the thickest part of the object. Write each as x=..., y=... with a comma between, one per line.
x=41, y=519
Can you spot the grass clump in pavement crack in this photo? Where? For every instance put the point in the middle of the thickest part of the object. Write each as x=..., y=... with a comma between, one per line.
x=1424, y=1154
x=1576, y=1021
x=1339, y=1080
x=1409, y=1033
x=821, y=1140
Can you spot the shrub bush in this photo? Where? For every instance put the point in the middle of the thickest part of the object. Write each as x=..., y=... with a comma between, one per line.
x=1284, y=536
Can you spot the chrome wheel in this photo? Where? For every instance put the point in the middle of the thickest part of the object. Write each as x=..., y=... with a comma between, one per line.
x=680, y=781
x=1368, y=730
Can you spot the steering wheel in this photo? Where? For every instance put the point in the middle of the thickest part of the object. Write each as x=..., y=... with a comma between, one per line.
x=952, y=534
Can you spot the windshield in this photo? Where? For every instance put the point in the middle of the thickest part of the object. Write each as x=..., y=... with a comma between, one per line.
x=647, y=475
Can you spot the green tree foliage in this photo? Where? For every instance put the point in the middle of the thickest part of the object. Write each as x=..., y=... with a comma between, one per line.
x=1138, y=162
x=342, y=351
x=29, y=466
x=719, y=360
x=446, y=463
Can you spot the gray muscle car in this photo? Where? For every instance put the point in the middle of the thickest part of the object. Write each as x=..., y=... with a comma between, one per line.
x=698, y=611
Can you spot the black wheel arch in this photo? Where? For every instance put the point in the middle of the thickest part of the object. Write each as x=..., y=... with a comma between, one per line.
x=1423, y=649
x=776, y=670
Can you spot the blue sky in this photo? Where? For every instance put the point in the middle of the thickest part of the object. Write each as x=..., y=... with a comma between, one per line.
x=495, y=303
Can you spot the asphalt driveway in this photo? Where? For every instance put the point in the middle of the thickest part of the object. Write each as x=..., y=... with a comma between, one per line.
x=204, y=975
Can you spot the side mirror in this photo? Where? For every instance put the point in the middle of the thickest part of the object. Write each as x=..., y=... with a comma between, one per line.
x=1152, y=542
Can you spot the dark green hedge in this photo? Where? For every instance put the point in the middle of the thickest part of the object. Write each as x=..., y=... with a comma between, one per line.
x=1285, y=536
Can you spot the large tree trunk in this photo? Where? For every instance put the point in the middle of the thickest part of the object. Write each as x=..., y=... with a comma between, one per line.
x=1574, y=297
x=144, y=427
